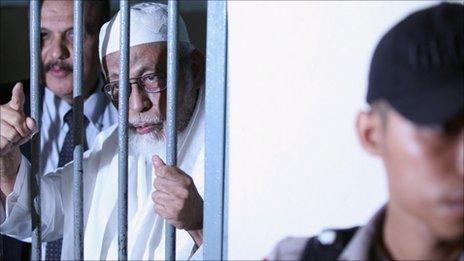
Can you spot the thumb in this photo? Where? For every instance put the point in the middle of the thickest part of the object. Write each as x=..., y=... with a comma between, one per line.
x=17, y=97
x=30, y=123
x=158, y=162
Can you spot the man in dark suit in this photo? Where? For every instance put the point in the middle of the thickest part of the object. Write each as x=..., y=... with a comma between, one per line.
x=57, y=78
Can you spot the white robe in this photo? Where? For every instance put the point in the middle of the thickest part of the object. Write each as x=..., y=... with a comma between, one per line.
x=146, y=228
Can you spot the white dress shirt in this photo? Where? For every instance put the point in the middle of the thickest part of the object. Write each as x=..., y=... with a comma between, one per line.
x=98, y=109
x=99, y=112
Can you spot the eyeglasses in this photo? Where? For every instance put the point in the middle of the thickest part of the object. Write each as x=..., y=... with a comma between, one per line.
x=150, y=83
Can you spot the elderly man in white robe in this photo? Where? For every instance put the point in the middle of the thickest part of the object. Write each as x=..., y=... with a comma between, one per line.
x=157, y=193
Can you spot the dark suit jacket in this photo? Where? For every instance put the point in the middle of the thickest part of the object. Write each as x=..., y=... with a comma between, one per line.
x=13, y=249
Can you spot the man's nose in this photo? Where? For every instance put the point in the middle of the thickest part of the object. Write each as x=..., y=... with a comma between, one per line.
x=138, y=100
x=59, y=50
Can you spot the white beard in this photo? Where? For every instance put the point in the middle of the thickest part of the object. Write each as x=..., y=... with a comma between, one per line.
x=146, y=145
x=154, y=143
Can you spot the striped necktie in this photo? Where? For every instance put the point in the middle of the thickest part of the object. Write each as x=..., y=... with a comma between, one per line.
x=53, y=249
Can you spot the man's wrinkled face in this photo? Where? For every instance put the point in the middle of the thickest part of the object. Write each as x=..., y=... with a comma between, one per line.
x=147, y=111
x=425, y=167
x=57, y=48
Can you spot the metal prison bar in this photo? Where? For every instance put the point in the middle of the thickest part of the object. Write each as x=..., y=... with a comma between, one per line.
x=34, y=42
x=216, y=76
x=215, y=218
x=122, y=128
x=171, y=142
x=78, y=107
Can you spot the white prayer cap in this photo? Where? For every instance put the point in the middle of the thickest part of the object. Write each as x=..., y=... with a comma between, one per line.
x=148, y=24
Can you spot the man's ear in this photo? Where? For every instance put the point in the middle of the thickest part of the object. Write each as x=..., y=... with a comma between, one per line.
x=370, y=130
x=197, y=66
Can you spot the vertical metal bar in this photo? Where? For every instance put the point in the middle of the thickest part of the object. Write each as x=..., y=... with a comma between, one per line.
x=215, y=137
x=36, y=102
x=78, y=106
x=171, y=145
x=122, y=128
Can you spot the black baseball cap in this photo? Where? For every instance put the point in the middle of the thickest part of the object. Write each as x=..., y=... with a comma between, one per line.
x=418, y=66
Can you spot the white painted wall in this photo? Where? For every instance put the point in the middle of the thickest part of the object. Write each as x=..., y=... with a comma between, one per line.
x=298, y=75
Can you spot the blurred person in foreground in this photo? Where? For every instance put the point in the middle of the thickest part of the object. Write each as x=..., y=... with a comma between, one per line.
x=415, y=124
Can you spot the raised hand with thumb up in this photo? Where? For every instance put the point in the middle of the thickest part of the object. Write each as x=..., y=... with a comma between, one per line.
x=15, y=129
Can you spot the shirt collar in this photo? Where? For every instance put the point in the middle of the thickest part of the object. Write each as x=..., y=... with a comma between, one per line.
x=94, y=105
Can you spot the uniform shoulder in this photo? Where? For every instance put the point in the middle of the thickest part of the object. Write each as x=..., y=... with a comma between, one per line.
x=327, y=245
x=289, y=248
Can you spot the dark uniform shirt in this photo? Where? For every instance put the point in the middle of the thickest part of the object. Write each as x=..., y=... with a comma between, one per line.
x=364, y=243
